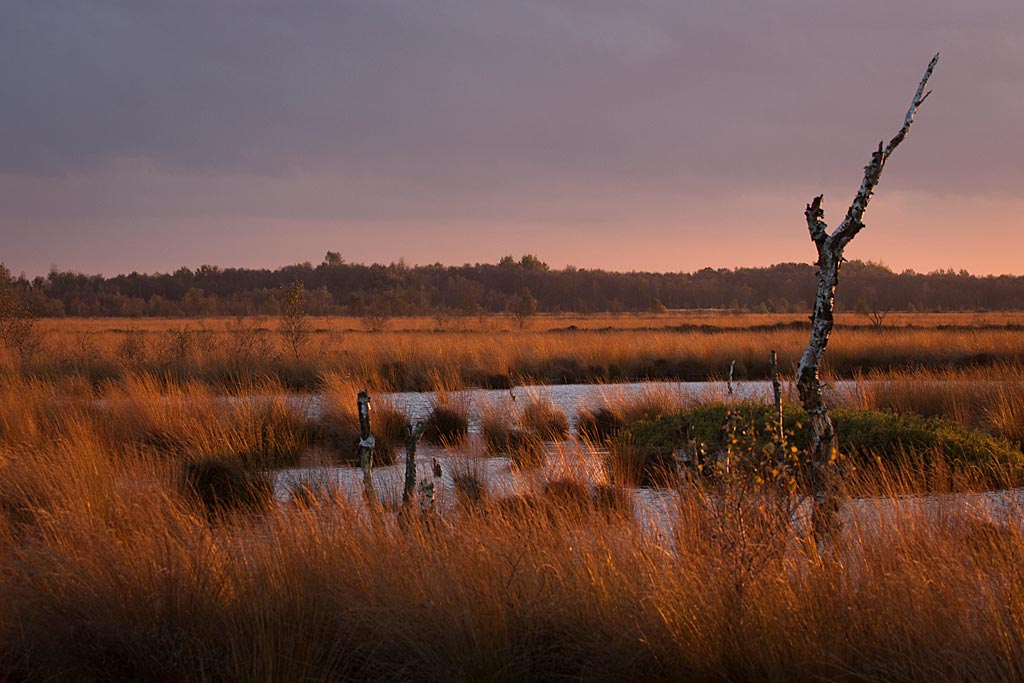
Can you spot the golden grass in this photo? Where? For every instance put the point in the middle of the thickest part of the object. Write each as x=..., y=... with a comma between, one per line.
x=539, y=323
x=603, y=348
x=986, y=398
x=108, y=570
x=112, y=574
x=540, y=415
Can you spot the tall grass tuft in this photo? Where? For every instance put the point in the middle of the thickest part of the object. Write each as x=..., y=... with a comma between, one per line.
x=448, y=421
x=542, y=417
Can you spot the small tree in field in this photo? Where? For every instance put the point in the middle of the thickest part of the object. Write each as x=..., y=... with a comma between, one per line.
x=294, y=325
x=830, y=248
x=524, y=308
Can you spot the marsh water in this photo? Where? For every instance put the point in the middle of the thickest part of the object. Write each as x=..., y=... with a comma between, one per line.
x=572, y=458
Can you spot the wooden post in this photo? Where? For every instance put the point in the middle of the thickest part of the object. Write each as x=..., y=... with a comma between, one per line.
x=412, y=439
x=366, y=446
x=732, y=366
x=773, y=363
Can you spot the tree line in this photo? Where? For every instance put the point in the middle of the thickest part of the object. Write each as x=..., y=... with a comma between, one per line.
x=519, y=286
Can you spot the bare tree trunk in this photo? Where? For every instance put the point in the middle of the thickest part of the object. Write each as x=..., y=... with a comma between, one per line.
x=366, y=446
x=830, y=256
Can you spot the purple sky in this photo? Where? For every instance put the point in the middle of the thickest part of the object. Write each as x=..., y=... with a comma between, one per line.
x=641, y=135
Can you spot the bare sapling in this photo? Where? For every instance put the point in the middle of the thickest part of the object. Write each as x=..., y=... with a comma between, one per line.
x=830, y=246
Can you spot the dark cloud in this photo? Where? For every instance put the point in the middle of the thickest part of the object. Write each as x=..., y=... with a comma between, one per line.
x=728, y=89
x=398, y=109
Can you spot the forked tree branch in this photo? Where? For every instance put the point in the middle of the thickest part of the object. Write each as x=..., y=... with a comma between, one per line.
x=830, y=257
x=853, y=222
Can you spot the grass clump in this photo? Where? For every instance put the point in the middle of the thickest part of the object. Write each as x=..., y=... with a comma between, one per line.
x=269, y=432
x=504, y=433
x=448, y=421
x=446, y=425
x=498, y=428
x=541, y=417
x=223, y=484
x=527, y=450
x=621, y=408
x=598, y=425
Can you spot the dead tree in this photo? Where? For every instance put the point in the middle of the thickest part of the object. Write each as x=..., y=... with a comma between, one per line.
x=830, y=256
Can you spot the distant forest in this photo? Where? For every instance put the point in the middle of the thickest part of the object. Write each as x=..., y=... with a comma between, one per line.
x=523, y=286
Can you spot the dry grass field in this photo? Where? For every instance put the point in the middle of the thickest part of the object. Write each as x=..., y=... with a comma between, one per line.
x=409, y=353
x=111, y=568
x=140, y=537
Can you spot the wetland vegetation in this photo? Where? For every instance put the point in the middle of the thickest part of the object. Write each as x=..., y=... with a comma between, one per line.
x=145, y=532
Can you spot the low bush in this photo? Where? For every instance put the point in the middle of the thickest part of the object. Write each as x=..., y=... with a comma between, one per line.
x=864, y=436
x=448, y=422
x=498, y=429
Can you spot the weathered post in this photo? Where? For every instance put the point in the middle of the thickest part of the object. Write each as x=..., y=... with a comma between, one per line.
x=366, y=446
x=830, y=248
x=413, y=432
x=773, y=363
x=728, y=384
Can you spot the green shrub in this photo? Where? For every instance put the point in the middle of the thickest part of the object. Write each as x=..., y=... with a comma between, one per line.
x=863, y=436
x=870, y=433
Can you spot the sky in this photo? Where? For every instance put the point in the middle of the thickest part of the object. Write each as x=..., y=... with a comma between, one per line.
x=653, y=135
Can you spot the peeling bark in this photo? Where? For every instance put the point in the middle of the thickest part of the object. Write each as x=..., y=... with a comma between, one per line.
x=830, y=248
